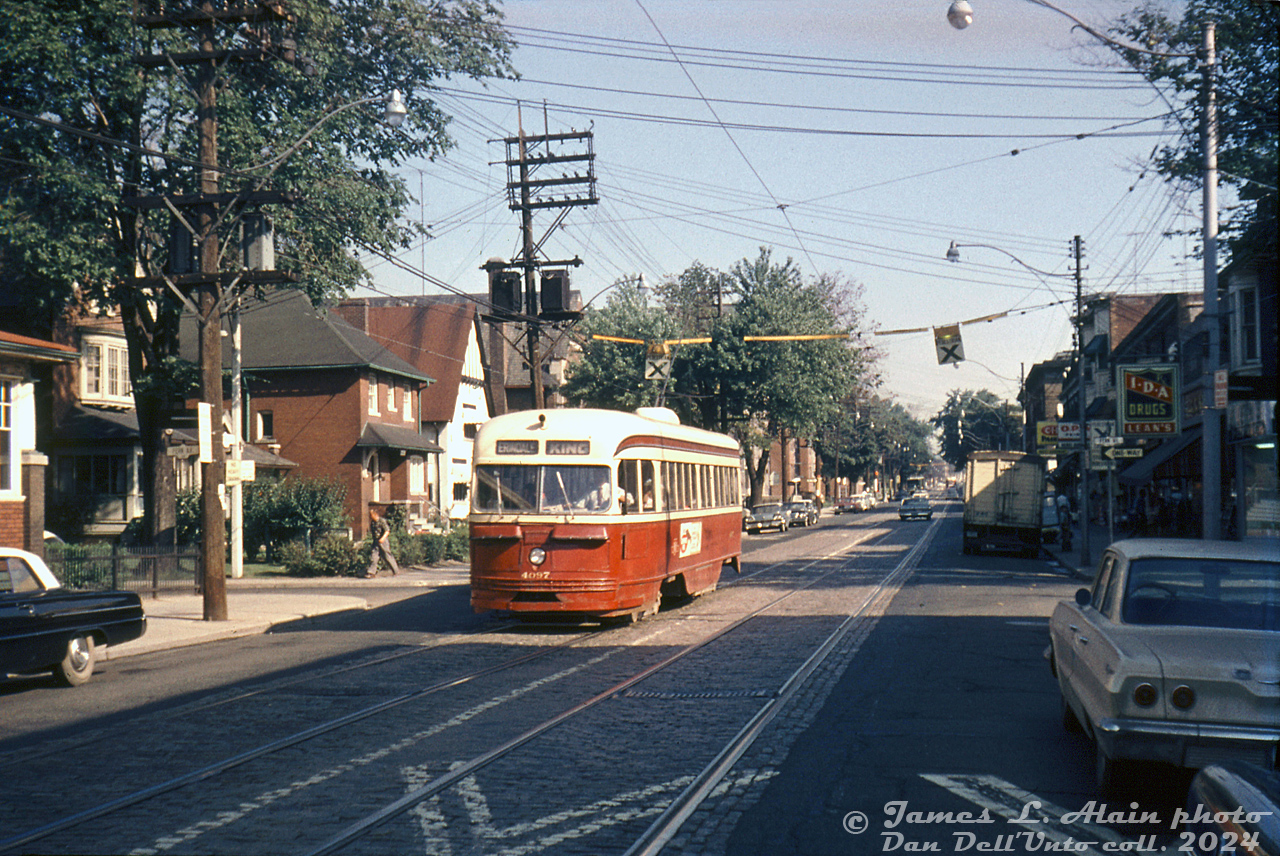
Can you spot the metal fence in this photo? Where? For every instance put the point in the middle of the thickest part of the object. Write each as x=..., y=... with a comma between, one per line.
x=146, y=570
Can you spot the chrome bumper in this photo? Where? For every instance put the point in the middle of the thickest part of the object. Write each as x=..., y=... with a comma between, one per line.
x=1187, y=744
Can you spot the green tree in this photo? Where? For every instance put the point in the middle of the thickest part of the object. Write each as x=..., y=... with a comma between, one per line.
x=874, y=435
x=1248, y=55
x=611, y=374
x=83, y=126
x=971, y=421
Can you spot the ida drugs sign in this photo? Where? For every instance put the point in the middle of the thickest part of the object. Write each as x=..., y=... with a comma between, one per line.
x=1149, y=401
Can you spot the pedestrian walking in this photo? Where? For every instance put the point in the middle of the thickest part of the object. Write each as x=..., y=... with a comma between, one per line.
x=381, y=533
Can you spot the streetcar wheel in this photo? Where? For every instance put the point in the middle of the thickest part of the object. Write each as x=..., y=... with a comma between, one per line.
x=77, y=666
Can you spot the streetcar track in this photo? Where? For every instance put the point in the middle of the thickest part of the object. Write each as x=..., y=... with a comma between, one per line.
x=461, y=771
x=869, y=538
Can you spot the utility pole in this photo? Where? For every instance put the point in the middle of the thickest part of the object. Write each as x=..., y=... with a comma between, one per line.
x=1077, y=247
x=527, y=155
x=1211, y=416
x=208, y=284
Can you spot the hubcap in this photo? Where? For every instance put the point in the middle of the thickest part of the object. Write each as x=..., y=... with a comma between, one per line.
x=79, y=653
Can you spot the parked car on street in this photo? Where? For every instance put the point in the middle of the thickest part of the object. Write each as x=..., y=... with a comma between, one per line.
x=866, y=501
x=44, y=627
x=915, y=508
x=1233, y=803
x=769, y=515
x=802, y=512
x=1171, y=656
x=844, y=504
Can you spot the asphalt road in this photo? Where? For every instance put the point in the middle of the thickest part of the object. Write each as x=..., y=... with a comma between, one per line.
x=940, y=709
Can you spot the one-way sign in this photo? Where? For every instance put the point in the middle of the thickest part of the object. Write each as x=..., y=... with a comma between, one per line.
x=1118, y=452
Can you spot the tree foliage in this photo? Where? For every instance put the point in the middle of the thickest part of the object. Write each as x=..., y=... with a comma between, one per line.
x=83, y=127
x=873, y=435
x=752, y=390
x=972, y=421
x=1248, y=57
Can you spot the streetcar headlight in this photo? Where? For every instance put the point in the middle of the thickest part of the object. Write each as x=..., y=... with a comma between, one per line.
x=537, y=556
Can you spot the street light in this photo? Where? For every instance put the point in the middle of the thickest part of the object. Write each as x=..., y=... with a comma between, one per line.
x=1211, y=418
x=953, y=255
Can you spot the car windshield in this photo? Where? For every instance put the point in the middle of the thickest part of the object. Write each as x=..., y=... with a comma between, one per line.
x=915, y=502
x=1203, y=593
x=765, y=510
x=552, y=489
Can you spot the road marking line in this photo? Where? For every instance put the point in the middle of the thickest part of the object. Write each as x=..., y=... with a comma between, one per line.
x=1033, y=813
x=265, y=799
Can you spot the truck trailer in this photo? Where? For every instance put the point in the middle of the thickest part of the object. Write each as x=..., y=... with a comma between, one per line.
x=1003, y=492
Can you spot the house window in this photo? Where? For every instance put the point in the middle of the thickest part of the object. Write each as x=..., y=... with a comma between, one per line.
x=8, y=461
x=373, y=395
x=1247, y=326
x=266, y=425
x=93, y=475
x=417, y=475
x=391, y=395
x=105, y=371
x=470, y=429
x=408, y=404
x=460, y=490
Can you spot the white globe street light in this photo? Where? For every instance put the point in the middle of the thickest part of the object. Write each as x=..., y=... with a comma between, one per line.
x=960, y=14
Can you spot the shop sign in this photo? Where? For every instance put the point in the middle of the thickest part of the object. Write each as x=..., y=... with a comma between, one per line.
x=1150, y=399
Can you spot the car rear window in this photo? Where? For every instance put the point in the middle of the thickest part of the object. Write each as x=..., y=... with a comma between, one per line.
x=1203, y=593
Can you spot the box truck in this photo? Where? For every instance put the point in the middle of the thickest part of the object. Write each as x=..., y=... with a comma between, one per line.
x=1003, y=492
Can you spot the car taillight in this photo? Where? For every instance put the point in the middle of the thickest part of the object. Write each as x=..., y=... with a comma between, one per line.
x=1183, y=697
x=1144, y=695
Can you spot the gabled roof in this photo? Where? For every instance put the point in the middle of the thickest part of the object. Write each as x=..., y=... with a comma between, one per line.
x=286, y=332
x=432, y=333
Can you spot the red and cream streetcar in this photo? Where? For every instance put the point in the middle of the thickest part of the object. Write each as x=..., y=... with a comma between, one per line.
x=598, y=513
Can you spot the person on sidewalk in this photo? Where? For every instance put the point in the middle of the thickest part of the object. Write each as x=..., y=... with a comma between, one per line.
x=381, y=533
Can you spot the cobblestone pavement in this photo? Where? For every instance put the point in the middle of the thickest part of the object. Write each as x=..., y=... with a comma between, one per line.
x=590, y=785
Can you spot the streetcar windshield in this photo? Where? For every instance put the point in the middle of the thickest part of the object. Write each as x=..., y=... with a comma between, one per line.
x=534, y=488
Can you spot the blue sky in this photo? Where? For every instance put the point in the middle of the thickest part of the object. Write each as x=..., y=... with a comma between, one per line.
x=878, y=134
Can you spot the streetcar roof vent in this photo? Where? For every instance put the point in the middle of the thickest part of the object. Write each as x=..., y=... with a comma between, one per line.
x=660, y=414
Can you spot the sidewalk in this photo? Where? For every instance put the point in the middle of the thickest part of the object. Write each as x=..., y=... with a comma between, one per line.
x=1069, y=560
x=256, y=604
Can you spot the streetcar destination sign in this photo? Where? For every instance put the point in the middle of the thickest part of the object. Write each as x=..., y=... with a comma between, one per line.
x=1150, y=400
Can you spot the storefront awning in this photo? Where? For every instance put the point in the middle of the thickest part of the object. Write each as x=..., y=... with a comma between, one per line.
x=1142, y=471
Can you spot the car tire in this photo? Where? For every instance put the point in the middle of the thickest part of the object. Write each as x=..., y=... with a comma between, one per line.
x=77, y=665
x=1070, y=722
x=1115, y=776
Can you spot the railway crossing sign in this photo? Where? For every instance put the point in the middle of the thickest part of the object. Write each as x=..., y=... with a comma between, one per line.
x=950, y=347
x=657, y=367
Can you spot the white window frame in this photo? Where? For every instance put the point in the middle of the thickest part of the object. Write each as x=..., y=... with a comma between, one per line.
x=10, y=457
x=1246, y=305
x=391, y=396
x=373, y=396
x=104, y=371
x=408, y=403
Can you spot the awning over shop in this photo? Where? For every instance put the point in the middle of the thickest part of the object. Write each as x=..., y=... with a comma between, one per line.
x=1187, y=445
x=379, y=436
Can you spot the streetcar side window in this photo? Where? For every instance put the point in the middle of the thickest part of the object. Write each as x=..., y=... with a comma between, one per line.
x=708, y=498
x=629, y=484
x=647, y=482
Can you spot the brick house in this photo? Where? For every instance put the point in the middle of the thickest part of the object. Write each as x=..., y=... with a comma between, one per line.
x=341, y=405
x=442, y=338
x=22, y=468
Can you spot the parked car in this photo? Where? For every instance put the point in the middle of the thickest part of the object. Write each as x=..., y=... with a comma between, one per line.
x=802, y=512
x=866, y=501
x=844, y=504
x=1234, y=803
x=770, y=515
x=1171, y=656
x=915, y=508
x=44, y=627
